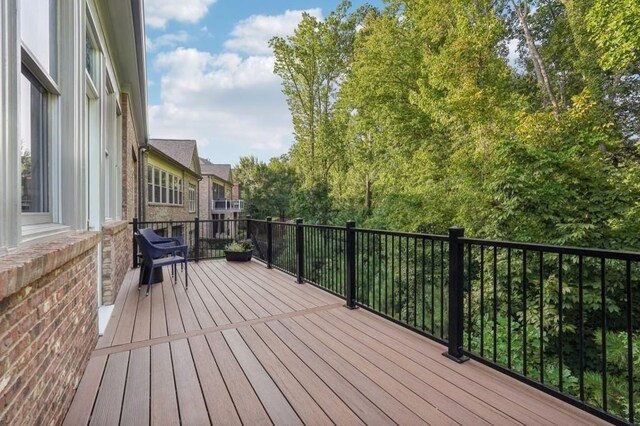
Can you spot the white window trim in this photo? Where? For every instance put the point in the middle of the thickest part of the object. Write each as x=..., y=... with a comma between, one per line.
x=178, y=198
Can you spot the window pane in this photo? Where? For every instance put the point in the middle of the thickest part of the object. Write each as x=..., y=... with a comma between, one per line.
x=156, y=184
x=38, y=31
x=91, y=56
x=170, y=189
x=34, y=147
x=164, y=186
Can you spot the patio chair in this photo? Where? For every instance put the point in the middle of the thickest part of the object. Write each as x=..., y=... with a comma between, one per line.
x=154, y=238
x=156, y=256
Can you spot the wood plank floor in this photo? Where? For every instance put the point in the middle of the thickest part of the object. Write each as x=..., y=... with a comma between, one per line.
x=246, y=345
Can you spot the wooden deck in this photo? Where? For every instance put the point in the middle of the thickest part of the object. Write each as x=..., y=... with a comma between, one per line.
x=246, y=345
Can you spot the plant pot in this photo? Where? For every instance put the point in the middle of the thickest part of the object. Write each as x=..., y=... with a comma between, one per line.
x=238, y=256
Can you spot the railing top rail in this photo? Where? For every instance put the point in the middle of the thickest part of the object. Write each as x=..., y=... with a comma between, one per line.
x=284, y=223
x=338, y=228
x=403, y=234
x=548, y=248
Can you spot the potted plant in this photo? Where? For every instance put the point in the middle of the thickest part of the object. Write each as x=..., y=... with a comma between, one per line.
x=239, y=251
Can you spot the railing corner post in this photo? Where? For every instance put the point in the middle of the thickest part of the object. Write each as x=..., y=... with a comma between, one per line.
x=135, y=243
x=456, y=299
x=269, y=242
x=350, y=252
x=197, y=239
x=299, y=251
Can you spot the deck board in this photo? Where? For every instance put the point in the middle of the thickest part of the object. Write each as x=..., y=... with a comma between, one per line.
x=248, y=345
x=135, y=410
x=164, y=402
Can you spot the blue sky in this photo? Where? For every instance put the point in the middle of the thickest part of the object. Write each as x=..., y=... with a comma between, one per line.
x=210, y=73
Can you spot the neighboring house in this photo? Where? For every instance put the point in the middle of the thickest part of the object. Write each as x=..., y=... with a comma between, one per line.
x=218, y=198
x=73, y=114
x=171, y=183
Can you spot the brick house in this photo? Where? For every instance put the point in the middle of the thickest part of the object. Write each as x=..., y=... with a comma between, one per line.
x=219, y=197
x=73, y=114
x=171, y=183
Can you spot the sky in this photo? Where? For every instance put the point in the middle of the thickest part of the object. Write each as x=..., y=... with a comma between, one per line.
x=210, y=73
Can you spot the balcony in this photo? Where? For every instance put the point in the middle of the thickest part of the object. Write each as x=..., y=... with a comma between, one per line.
x=247, y=345
x=227, y=206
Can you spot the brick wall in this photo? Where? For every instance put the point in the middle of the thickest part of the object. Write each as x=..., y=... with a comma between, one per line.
x=204, y=194
x=48, y=327
x=116, y=258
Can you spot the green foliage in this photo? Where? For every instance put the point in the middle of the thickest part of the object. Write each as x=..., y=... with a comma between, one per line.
x=239, y=246
x=614, y=27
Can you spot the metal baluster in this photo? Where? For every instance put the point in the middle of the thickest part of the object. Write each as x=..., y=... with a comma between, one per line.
x=509, y=308
x=581, y=327
x=560, y=330
x=541, y=279
x=629, y=320
x=603, y=301
x=482, y=301
x=524, y=312
x=495, y=303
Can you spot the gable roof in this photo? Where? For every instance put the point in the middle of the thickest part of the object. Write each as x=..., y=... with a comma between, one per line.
x=181, y=151
x=223, y=171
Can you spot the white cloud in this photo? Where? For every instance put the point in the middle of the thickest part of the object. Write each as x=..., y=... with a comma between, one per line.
x=166, y=40
x=159, y=12
x=252, y=35
x=228, y=103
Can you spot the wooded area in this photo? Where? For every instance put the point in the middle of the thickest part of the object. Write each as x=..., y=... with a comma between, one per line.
x=517, y=120
x=513, y=119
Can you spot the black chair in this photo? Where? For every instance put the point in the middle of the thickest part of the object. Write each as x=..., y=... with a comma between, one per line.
x=156, y=256
x=154, y=238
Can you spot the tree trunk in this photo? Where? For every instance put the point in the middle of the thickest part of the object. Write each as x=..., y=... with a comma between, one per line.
x=538, y=63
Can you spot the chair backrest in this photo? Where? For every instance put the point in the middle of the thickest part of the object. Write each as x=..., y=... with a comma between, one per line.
x=151, y=236
x=149, y=252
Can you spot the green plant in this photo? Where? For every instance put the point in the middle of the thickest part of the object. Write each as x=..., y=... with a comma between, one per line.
x=239, y=246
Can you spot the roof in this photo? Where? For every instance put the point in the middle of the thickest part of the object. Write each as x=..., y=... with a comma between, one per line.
x=223, y=171
x=181, y=151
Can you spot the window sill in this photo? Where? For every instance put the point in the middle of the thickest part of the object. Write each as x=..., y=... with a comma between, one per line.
x=164, y=205
x=42, y=232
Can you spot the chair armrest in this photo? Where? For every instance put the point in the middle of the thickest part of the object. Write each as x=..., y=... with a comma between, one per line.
x=162, y=249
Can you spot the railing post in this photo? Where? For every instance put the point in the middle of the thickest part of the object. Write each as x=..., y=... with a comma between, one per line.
x=299, y=251
x=456, y=299
x=197, y=239
x=269, y=242
x=248, y=231
x=350, y=278
x=135, y=243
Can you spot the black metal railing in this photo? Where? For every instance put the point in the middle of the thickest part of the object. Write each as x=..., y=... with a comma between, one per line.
x=404, y=277
x=324, y=257
x=561, y=319
x=206, y=239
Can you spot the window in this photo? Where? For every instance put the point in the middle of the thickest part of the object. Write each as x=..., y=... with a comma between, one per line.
x=34, y=146
x=38, y=31
x=218, y=192
x=177, y=231
x=192, y=198
x=163, y=187
x=38, y=106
